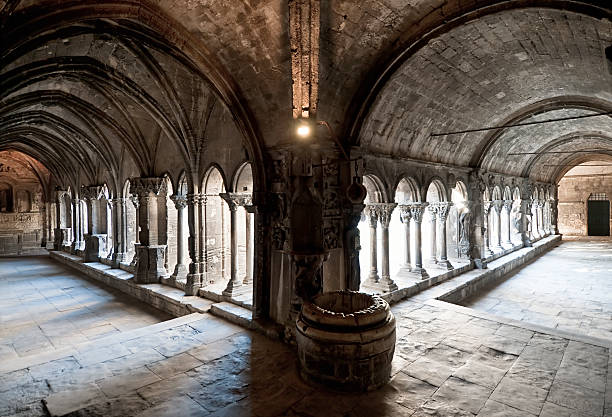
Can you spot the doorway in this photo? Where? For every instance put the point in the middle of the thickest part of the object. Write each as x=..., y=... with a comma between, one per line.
x=598, y=215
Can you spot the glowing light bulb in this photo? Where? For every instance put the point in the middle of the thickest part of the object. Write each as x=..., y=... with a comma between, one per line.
x=303, y=130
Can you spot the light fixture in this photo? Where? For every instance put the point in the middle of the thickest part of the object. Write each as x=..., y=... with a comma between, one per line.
x=303, y=129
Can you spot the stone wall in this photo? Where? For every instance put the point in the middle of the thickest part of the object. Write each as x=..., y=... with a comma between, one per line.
x=574, y=191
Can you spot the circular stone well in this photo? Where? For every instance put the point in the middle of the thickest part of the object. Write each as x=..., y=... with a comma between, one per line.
x=346, y=340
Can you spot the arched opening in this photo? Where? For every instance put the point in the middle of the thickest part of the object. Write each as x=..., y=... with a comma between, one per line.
x=400, y=228
x=243, y=187
x=131, y=227
x=458, y=223
x=436, y=193
x=369, y=231
x=217, y=232
x=171, y=227
x=583, y=198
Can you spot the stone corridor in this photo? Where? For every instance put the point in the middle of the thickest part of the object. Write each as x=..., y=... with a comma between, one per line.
x=570, y=289
x=46, y=306
x=449, y=361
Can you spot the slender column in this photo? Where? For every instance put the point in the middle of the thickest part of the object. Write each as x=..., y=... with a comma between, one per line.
x=180, y=270
x=442, y=211
x=508, y=208
x=497, y=205
x=405, y=218
x=372, y=212
x=417, y=210
x=433, y=209
x=384, y=215
x=553, y=216
x=119, y=248
x=541, y=222
x=136, y=203
x=535, y=227
x=248, y=278
x=111, y=238
x=76, y=225
x=59, y=195
x=195, y=277
x=234, y=286
x=487, y=210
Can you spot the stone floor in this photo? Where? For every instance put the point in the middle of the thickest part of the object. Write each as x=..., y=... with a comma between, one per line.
x=449, y=361
x=45, y=306
x=570, y=288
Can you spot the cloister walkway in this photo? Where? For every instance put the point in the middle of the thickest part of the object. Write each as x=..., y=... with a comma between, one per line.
x=569, y=288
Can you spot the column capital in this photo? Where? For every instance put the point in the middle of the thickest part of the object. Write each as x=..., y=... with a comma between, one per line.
x=144, y=187
x=442, y=208
x=92, y=192
x=135, y=202
x=385, y=210
x=405, y=213
x=235, y=200
x=194, y=199
x=179, y=200
x=508, y=205
x=371, y=210
x=417, y=210
x=498, y=204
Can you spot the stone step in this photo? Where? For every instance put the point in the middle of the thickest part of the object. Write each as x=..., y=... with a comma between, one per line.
x=233, y=313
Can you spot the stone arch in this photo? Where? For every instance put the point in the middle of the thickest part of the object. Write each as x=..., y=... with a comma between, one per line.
x=407, y=190
x=435, y=190
x=375, y=189
x=216, y=230
x=243, y=179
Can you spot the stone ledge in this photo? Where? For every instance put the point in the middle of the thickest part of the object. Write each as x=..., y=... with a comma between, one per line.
x=497, y=269
x=163, y=297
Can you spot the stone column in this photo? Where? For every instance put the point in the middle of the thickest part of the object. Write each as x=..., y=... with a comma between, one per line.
x=498, y=205
x=386, y=284
x=234, y=286
x=195, y=211
x=119, y=254
x=405, y=218
x=372, y=212
x=94, y=243
x=59, y=196
x=76, y=225
x=110, y=230
x=535, y=226
x=487, y=210
x=180, y=270
x=442, y=210
x=417, y=210
x=542, y=228
x=151, y=255
x=134, y=200
x=508, y=208
x=553, y=216
x=433, y=208
x=248, y=277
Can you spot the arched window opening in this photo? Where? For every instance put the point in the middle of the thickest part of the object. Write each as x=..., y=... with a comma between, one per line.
x=217, y=233
x=171, y=227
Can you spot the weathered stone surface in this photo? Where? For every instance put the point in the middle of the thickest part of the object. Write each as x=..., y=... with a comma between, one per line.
x=577, y=398
x=518, y=395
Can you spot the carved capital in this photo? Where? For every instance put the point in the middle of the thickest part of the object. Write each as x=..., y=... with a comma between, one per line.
x=385, y=210
x=405, y=213
x=442, y=209
x=92, y=192
x=372, y=212
x=417, y=210
x=235, y=200
x=144, y=187
x=180, y=201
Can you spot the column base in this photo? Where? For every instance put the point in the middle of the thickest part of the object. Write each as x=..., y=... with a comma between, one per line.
x=420, y=273
x=180, y=272
x=118, y=259
x=446, y=264
x=372, y=280
x=480, y=263
x=193, y=284
x=233, y=290
x=94, y=244
x=385, y=284
x=150, y=266
x=405, y=271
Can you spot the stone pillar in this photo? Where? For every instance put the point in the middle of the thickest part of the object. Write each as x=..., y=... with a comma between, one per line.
x=94, y=242
x=553, y=216
x=405, y=218
x=119, y=254
x=487, y=229
x=248, y=277
x=59, y=196
x=432, y=231
x=151, y=254
x=417, y=210
x=385, y=210
x=134, y=200
x=234, y=286
x=508, y=209
x=498, y=205
x=372, y=212
x=195, y=220
x=111, y=237
x=180, y=270
x=542, y=226
x=535, y=226
x=442, y=210
x=76, y=226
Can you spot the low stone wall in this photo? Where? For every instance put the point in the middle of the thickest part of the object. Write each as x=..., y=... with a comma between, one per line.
x=162, y=297
x=496, y=273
